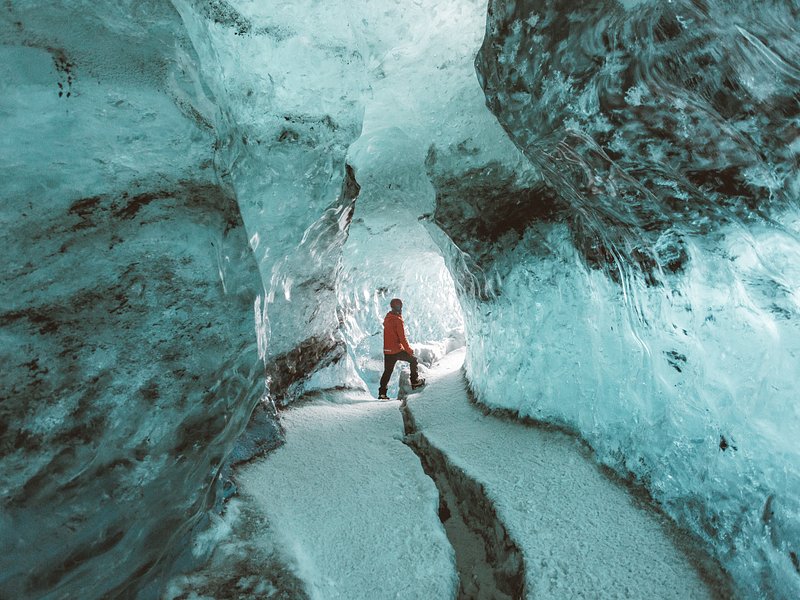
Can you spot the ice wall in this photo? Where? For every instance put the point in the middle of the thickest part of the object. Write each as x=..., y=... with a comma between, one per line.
x=129, y=356
x=288, y=79
x=647, y=293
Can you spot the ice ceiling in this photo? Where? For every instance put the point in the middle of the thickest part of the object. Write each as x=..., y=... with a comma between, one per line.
x=203, y=195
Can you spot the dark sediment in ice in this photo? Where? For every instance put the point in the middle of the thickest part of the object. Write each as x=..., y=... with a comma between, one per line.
x=287, y=371
x=132, y=368
x=640, y=122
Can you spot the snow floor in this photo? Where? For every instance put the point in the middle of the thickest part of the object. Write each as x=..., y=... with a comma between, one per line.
x=581, y=534
x=357, y=516
x=351, y=505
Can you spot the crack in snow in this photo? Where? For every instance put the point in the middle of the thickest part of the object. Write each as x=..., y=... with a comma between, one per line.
x=489, y=563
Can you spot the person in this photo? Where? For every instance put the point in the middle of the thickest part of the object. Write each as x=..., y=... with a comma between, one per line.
x=396, y=347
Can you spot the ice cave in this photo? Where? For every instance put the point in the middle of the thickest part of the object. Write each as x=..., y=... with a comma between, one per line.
x=589, y=208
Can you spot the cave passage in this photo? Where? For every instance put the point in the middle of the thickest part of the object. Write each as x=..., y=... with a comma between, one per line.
x=208, y=204
x=380, y=527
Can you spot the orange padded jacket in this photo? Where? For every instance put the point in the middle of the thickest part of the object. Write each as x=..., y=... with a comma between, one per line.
x=394, y=335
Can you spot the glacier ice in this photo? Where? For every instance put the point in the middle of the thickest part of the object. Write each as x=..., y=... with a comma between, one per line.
x=616, y=237
x=286, y=79
x=654, y=308
x=129, y=363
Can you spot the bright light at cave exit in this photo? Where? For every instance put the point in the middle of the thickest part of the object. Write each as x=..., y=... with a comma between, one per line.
x=390, y=253
x=434, y=322
x=414, y=70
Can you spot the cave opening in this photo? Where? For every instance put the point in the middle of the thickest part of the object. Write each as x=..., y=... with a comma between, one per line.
x=390, y=253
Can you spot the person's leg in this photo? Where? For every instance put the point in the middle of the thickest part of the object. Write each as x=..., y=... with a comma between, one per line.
x=412, y=361
x=388, y=366
x=414, y=372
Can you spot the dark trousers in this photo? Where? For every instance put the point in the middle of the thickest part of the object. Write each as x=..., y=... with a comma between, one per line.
x=389, y=361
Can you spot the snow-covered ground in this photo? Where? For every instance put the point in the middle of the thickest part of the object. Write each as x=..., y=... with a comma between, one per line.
x=351, y=505
x=581, y=534
x=374, y=532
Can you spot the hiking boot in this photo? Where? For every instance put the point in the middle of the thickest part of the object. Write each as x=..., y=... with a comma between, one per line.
x=383, y=397
x=418, y=384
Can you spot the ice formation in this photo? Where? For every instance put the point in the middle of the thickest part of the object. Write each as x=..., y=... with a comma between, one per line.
x=129, y=362
x=655, y=307
x=204, y=196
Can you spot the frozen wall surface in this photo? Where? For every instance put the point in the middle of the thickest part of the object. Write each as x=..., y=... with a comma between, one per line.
x=288, y=79
x=651, y=299
x=129, y=356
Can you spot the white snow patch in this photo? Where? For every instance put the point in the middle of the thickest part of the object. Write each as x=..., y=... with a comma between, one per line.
x=581, y=534
x=351, y=505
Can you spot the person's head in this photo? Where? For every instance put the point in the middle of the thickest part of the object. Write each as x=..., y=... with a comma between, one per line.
x=397, y=306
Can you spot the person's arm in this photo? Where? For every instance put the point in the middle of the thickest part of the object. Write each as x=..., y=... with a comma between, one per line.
x=401, y=335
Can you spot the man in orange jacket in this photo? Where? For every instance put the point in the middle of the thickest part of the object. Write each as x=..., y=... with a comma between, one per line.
x=396, y=347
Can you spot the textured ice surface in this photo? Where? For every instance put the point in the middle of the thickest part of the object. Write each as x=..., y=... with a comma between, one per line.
x=129, y=360
x=287, y=79
x=246, y=562
x=653, y=306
